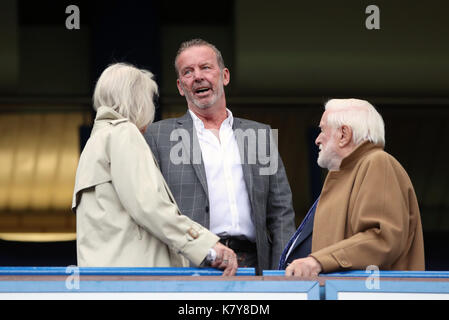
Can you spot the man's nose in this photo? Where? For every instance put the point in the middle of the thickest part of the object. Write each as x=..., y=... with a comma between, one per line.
x=318, y=141
x=198, y=75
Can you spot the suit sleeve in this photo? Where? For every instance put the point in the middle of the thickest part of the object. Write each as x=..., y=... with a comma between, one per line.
x=151, y=141
x=280, y=213
x=142, y=192
x=379, y=220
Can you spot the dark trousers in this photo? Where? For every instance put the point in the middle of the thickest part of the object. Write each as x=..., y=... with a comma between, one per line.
x=245, y=250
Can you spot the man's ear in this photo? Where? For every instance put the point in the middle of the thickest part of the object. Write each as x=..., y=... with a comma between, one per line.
x=178, y=84
x=226, y=76
x=345, y=136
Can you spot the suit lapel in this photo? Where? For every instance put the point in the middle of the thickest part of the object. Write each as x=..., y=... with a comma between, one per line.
x=195, y=156
x=246, y=167
x=167, y=188
x=308, y=227
x=307, y=231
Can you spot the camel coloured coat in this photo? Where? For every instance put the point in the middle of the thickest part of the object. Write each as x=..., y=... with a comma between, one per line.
x=368, y=214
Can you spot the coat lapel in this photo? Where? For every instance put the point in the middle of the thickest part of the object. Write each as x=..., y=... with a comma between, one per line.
x=195, y=157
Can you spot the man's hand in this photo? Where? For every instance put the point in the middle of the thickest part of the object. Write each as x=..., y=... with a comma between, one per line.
x=226, y=259
x=305, y=267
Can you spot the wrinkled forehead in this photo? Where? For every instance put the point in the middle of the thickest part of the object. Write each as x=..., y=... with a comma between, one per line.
x=323, y=121
x=196, y=55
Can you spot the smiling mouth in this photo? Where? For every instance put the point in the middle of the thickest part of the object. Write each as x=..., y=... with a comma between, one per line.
x=202, y=91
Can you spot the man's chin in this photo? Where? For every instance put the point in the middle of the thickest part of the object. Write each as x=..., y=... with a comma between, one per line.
x=331, y=164
x=203, y=105
x=323, y=163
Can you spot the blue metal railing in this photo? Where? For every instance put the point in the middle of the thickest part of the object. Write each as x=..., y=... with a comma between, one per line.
x=119, y=271
x=364, y=274
x=94, y=271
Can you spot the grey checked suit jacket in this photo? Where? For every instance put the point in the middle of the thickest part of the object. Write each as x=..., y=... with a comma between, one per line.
x=270, y=195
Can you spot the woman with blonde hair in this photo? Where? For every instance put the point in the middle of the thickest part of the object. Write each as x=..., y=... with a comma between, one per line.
x=126, y=214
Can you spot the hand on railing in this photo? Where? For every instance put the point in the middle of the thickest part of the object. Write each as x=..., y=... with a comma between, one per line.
x=305, y=267
x=226, y=259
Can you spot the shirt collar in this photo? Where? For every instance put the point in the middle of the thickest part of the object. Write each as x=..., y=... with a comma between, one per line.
x=199, y=125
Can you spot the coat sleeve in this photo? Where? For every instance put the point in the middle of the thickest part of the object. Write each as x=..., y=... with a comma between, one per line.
x=280, y=213
x=144, y=195
x=379, y=220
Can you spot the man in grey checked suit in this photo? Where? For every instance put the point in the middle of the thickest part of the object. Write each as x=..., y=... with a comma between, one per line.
x=224, y=172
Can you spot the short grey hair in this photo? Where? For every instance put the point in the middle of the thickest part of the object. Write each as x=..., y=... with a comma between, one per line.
x=129, y=91
x=199, y=43
x=366, y=123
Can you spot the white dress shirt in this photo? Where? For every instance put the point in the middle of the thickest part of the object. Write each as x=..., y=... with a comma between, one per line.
x=230, y=208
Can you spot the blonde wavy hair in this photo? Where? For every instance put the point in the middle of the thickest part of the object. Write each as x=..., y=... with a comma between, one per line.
x=129, y=91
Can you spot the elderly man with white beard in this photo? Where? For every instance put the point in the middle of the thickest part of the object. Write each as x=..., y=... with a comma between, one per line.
x=367, y=213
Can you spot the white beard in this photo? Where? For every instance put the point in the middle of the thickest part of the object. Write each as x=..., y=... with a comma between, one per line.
x=328, y=158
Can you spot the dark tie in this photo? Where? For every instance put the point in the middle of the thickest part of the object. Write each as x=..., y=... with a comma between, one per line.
x=309, y=214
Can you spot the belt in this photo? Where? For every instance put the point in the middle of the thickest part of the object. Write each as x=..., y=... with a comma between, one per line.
x=237, y=244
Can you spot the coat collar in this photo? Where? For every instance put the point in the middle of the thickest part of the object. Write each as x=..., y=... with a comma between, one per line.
x=359, y=152
x=107, y=113
x=106, y=116
x=185, y=119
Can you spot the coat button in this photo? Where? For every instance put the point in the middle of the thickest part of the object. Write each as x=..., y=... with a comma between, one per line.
x=193, y=233
x=207, y=208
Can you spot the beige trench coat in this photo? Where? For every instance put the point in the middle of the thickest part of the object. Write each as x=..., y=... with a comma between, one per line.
x=125, y=214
